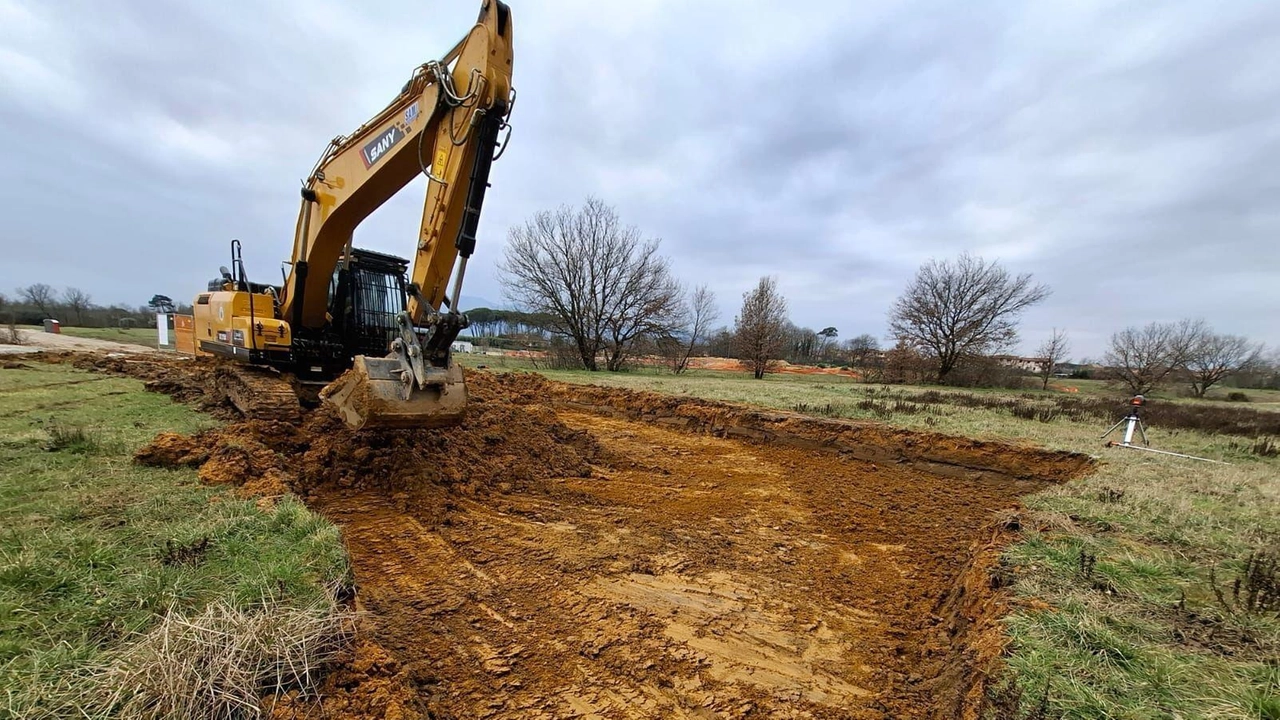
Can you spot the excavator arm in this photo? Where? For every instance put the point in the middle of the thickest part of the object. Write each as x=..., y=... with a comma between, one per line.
x=446, y=124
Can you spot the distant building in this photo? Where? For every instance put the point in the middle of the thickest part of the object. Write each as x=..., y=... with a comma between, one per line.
x=1027, y=364
x=462, y=346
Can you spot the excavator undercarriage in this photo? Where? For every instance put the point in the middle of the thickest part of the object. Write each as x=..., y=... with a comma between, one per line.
x=258, y=393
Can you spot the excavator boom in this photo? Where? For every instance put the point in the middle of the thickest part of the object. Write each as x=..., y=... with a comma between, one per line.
x=446, y=124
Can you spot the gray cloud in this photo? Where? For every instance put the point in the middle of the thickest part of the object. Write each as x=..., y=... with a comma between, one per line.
x=1125, y=153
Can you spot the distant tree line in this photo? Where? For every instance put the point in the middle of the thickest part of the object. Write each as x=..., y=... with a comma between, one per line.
x=491, y=323
x=598, y=295
x=71, y=306
x=604, y=297
x=1188, y=352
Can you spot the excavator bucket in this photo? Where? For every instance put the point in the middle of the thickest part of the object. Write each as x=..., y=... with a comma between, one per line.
x=372, y=395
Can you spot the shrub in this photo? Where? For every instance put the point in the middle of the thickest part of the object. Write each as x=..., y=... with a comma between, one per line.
x=1023, y=412
x=1237, y=396
x=10, y=334
x=1211, y=419
x=828, y=410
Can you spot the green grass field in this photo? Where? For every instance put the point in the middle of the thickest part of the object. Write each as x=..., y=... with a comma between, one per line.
x=132, y=336
x=1119, y=615
x=95, y=550
x=1138, y=595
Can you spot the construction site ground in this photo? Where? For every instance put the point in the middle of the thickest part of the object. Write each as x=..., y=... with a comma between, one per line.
x=583, y=552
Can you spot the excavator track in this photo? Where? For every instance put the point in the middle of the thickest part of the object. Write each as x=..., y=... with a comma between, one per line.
x=258, y=393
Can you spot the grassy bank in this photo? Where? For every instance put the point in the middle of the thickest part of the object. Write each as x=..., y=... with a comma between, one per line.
x=131, y=336
x=96, y=551
x=1145, y=589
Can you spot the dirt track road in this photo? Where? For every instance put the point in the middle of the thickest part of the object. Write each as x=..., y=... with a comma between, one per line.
x=691, y=576
x=35, y=341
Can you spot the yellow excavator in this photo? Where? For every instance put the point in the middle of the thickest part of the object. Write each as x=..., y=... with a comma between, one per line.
x=351, y=317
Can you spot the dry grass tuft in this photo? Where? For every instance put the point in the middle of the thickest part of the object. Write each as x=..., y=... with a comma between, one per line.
x=11, y=335
x=223, y=661
x=73, y=438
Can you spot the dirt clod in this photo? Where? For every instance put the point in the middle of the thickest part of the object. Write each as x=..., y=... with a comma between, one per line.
x=372, y=685
x=170, y=449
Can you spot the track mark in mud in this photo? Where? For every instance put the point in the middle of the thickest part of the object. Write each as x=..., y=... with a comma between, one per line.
x=544, y=562
x=687, y=576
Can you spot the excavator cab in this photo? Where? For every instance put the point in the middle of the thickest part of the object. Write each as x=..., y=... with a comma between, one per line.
x=368, y=303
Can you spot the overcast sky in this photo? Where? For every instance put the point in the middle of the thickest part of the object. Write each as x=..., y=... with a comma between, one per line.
x=1126, y=154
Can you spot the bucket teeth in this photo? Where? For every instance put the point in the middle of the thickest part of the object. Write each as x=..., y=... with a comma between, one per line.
x=372, y=395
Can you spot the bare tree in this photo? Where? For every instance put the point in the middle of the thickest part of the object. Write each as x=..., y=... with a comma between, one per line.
x=40, y=295
x=760, y=328
x=860, y=349
x=1216, y=356
x=697, y=316
x=1052, y=351
x=720, y=343
x=966, y=308
x=598, y=282
x=79, y=301
x=1142, y=358
x=800, y=344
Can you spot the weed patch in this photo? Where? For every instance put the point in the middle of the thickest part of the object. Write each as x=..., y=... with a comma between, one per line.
x=1255, y=589
x=72, y=438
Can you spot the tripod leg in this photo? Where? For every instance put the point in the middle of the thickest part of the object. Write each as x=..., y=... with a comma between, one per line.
x=1143, y=431
x=1113, y=427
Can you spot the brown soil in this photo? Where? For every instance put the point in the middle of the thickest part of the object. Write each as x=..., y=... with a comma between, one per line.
x=185, y=379
x=781, y=367
x=371, y=685
x=582, y=552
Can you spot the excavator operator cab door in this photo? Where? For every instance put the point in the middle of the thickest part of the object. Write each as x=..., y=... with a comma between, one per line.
x=365, y=298
x=365, y=301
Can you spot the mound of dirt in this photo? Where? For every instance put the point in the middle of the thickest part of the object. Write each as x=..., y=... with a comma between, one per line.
x=507, y=440
x=185, y=379
x=247, y=455
x=170, y=449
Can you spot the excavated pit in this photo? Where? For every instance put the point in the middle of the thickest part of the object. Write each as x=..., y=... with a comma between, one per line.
x=575, y=551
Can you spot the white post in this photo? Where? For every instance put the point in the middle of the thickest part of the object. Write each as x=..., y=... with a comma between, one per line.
x=1128, y=430
x=162, y=329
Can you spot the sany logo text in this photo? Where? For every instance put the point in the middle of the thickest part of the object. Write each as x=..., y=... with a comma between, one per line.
x=376, y=148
